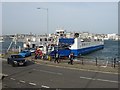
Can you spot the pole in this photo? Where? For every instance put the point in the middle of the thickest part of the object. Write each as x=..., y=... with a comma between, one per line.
x=114, y=62
x=47, y=27
x=47, y=18
x=47, y=22
x=47, y=30
x=96, y=60
x=82, y=60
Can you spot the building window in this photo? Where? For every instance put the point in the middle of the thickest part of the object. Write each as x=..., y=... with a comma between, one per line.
x=40, y=39
x=45, y=39
x=49, y=39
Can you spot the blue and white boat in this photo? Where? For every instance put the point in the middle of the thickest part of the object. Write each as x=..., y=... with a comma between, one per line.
x=76, y=45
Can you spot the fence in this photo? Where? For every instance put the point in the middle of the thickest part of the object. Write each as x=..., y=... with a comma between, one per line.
x=85, y=60
x=104, y=62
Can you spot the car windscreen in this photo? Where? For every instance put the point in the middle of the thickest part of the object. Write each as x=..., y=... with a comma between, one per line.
x=16, y=56
x=24, y=52
x=32, y=49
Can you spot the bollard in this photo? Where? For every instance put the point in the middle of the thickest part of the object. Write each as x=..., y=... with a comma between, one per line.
x=96, y=61
x=49, y=58
x=114, y=62
x=82, y=60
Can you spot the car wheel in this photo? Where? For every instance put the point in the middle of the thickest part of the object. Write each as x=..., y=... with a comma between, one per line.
x=30, y=54
x=8, y=62
x=13, y=65
x=25, y=64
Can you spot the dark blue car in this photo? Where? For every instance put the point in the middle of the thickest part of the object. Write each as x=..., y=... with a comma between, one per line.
x=16, y=60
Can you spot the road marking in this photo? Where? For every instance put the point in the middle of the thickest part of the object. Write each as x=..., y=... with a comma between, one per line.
x=22, y=81
x=79, y=69
x=12, y=78
x=48, y=72
x=32, y=84
x=1, y=74
x=99, y=79
x=45, y=86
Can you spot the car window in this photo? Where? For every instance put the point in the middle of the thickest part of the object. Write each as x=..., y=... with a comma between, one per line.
x=16, y=56
x=32, y=49
x=23, y=52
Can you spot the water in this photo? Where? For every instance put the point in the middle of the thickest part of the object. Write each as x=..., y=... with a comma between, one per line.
x=110, y=49
x=4, y=45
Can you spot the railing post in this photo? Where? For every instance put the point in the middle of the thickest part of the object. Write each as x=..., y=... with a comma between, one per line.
x=82, y=60
x=114, y=62
x=96, y=61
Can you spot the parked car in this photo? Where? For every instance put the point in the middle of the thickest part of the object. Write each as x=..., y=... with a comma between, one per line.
x=32, y=50
x=25, y=53
x=16, y=60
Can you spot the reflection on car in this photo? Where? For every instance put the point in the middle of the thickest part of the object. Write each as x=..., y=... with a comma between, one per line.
x=16, y=60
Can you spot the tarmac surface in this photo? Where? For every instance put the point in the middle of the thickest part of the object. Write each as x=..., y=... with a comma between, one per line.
x=44, y=76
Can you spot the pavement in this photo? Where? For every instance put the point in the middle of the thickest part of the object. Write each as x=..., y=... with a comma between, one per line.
x=39, y=75
x=77, y=65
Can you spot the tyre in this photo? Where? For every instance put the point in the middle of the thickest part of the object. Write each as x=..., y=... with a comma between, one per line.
x=30, y=54
x=13, y=65
x=25, y=64
x=8, y=62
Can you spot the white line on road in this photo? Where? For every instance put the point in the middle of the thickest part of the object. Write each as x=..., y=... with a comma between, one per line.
x=32, y=84
x=99, y=79
x=81, y=69
x=1, y=74
x=22, y=81
x=12, y=78
x=48, y=72
x=43, y=86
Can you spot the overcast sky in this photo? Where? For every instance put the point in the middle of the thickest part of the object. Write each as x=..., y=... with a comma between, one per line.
x=94, y=17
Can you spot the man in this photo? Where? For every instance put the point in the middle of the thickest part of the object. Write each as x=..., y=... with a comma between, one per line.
x=56, y=57
x=71, y=56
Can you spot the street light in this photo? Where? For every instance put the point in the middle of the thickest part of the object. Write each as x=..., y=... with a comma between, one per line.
x=47, y=26
x=47, y=17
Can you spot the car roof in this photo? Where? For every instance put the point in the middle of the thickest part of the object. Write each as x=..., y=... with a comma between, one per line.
x=25, y=51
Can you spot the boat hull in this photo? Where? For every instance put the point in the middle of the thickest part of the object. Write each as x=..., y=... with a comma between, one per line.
x=86, y=50
x=78, y=52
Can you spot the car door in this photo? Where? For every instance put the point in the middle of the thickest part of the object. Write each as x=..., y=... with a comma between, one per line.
x=27, y=53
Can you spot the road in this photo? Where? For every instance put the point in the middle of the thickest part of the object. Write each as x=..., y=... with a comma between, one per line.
x=43, y=76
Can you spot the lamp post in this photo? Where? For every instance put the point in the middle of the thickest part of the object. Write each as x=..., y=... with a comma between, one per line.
x=47, y=17
x=47, y=26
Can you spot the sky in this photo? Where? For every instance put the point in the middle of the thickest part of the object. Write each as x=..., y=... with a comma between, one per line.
x=93, y=17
